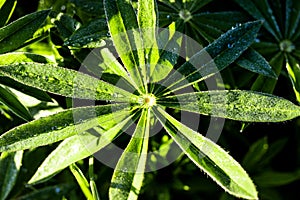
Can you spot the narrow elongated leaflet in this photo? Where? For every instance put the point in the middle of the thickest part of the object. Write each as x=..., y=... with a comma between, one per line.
x=168, y=43
x=10, y=100
x=129, y=173
x=265, y=84
x=6, y=9
x=209, y=157
x=10, y=164
x=235, y=104
x=124, y=30
x=14, y=35
x=90, y=35
x=49, y=192
x=81, y=180
x=269, y=23
x=148, y=23
x=253, y=61
x=66, y=82
x=215, y=57
x=101, y=61
x=206, y=23
x=55, y=127
x=293, y=69
x=82, y=145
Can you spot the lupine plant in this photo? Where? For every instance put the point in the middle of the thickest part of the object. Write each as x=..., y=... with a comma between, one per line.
x=138, y=81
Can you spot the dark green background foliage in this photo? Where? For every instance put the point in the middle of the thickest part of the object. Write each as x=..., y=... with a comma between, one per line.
x=63, y=33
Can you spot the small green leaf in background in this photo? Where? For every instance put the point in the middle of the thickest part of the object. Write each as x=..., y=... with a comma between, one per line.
x=89, y=36
x=15, y=34
x=93, y=186
x=11, y=101
x=215, y=57
x=10, y=164
x=55, y=192
x=7, y=7
x=82, y=181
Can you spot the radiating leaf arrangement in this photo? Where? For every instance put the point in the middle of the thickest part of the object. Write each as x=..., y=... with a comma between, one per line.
x=146, y=69
x=280, y=41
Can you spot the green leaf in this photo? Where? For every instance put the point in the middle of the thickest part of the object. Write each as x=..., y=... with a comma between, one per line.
x=168, y=42
x=253, y=61
x=17, y=57
x=36, y=93
x=221, y=20
x=89, y=7
x=265, y=84
x=129, y=173
x=12, y=102
x=255, y=154
x=293, y=69
x=55, y=192
x=83, y=145
x=66, y=82
x=14, y=35
x=66, y=25
x=239, y=105
x=54, y=128
x=107, y=63
x=148, y=23
x=6, y=10
x=275, y=179
x=261, y=10
x=81, y=180
x=124, y=30
x=93, y=185
x=90, y=35
x=215, y=57
x=209, y=157
x=10, y=164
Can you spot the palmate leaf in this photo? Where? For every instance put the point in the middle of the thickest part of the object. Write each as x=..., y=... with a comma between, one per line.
x=55, y=127
x=129, y=173
x=215, y=57
x=66, y=82
x=235, y=104
x=82, y=145
x=14, y=35
x=209, y=157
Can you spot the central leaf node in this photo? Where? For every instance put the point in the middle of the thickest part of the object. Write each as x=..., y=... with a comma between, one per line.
x=149, y=100
x=185, y=15
x=287, y=46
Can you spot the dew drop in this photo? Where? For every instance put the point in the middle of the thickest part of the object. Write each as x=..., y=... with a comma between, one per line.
x=230, y=45
x=57, y=190
x=168, y=16
x=63, y=7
